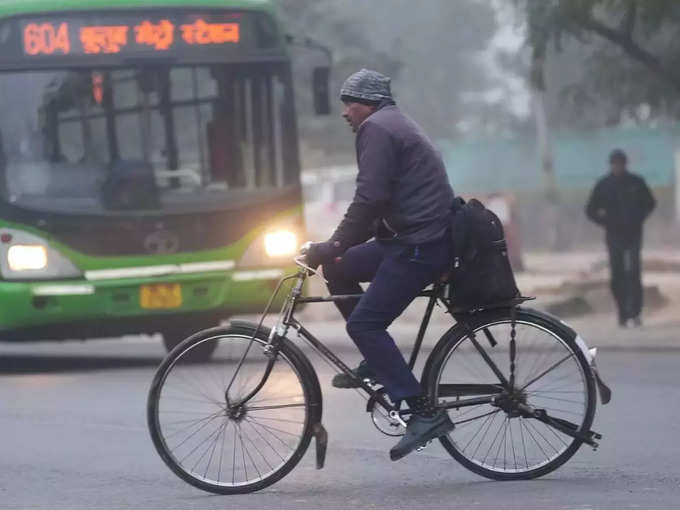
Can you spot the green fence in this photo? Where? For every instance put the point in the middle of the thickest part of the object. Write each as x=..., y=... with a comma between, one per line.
x=498, y=164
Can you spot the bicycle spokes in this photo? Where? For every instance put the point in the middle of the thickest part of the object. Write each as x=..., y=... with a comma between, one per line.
x=236, y=442
x=532, y=415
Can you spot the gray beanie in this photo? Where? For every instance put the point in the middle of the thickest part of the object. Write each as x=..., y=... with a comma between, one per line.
x=367, y=85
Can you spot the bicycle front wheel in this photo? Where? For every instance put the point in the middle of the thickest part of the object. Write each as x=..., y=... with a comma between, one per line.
x=203, y=433
x=498, y=439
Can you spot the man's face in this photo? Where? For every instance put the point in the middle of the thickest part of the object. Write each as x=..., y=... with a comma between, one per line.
x=617, y=166
x=356, y=113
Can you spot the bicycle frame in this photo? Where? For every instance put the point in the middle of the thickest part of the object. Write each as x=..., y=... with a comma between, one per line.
x=475, y=325
x=493, y=394
x=287, y=320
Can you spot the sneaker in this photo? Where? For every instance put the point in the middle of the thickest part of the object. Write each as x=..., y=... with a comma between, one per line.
x=420, y=431
x=360, y=373
x=636, y=322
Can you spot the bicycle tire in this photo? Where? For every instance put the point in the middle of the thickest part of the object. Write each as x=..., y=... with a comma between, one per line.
x=306, y=376
x=446, y=348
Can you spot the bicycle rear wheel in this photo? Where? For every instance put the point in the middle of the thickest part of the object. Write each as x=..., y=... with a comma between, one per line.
x=213, y=442
x=551, y=374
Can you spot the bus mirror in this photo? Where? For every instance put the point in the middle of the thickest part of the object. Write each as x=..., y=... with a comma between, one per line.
x=321, y=90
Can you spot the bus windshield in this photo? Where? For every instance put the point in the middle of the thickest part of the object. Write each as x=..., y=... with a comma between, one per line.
x=156, y=138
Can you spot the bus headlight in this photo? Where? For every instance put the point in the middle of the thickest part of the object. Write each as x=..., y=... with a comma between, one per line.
x=27, y=257
x=281, y=243
x=273, y=245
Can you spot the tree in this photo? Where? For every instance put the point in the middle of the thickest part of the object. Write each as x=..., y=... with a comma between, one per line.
x=433, y=52
x=539, y=36
x=609, y=59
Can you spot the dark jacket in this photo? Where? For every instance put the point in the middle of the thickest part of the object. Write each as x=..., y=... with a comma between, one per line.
x=621, y=203
x=403, y=193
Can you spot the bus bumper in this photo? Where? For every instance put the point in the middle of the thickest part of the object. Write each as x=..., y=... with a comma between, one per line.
x=79, y=309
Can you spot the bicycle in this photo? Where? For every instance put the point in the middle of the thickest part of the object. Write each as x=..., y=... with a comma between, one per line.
x=519, y=385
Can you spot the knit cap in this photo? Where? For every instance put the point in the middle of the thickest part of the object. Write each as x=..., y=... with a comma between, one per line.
x=367, y=85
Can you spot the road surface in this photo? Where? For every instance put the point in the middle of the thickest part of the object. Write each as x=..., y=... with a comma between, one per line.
x=73, y=436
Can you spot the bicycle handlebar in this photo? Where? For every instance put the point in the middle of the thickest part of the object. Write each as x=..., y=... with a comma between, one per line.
x=300, y=262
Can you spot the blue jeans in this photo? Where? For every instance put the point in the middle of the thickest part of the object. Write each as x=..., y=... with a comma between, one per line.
x=398, y=273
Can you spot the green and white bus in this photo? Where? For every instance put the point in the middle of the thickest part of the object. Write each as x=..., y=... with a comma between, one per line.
x=150, y=176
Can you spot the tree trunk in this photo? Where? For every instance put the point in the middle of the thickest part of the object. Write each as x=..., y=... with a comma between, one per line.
x=544, y=144
x=545, y=153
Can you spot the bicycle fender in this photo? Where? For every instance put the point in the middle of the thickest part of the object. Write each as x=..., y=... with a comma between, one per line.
x=316, y=398
x=321, y=437
x=604, y=391
x=564, y=328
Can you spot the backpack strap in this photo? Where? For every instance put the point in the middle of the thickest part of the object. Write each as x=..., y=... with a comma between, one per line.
x=458, y=229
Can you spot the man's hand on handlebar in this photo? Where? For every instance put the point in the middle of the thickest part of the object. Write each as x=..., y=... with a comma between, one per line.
x=316, y=254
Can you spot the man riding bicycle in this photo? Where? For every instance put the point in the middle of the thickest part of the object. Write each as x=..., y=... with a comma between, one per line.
x=403, y=200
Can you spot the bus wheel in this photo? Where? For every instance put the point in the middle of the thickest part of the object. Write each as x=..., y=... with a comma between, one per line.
x=172, y=337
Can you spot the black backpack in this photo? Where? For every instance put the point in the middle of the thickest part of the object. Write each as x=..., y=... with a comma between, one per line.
x=481, y=274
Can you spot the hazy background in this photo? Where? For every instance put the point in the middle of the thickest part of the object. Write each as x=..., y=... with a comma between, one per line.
x=463, y=69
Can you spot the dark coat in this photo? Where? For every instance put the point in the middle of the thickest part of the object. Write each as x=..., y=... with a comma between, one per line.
x=621, y=204
x=403, y=192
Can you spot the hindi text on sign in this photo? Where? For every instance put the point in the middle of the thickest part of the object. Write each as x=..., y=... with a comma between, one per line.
x=161, y=36
x=202, y=33
x=104, y=39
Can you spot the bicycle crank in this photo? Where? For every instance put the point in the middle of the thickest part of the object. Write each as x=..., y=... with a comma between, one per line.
x=389, y=423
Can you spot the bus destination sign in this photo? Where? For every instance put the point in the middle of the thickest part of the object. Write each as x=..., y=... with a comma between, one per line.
x=68, y=37
x=113, y=37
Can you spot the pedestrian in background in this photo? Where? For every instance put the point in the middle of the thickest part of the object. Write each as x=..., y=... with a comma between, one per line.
x=621, y=202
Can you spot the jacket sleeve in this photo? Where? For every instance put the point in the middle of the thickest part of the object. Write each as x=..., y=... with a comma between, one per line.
x=647, y=201
x=377, y=158
x=595, y=208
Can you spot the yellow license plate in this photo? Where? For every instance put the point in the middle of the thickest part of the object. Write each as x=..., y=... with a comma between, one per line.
x=160, y=296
